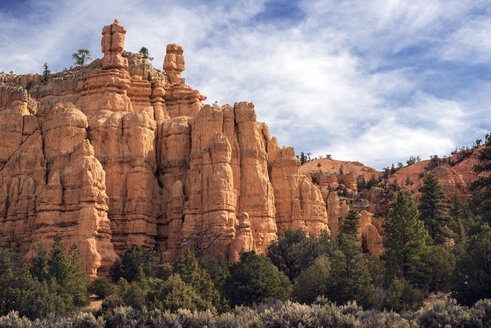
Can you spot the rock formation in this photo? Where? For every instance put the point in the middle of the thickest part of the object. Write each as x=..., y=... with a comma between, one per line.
x=340, y=181
x=180, y=99
x=117, y=153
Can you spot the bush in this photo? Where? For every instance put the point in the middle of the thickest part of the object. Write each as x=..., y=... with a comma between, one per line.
x=448, y=314
x=101, y=287
x=272, y=314
x=402, y=296
x=294, y=251
x=255, y=279
x=312, y=281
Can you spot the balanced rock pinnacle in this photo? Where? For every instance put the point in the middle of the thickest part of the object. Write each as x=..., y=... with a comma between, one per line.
x=112, y=46
x=174, y=63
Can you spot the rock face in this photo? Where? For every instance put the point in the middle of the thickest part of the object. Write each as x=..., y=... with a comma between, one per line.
x=340, y=181
x=455, y=178
x=117, y=153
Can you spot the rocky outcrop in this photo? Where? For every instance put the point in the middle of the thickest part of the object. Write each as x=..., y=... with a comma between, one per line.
x=180, y=99
x=341, y=182
x=73, y=203
x=243, y=241
x=299, y=203
x=371, y=233
x=336, y=210
x=52, y=183
x=334, y=174
x=455, y=179
x=117, y=153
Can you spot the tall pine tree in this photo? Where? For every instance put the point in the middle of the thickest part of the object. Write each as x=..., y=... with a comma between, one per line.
x=350, y=224
x=472, y=274
x=482, y=186
x=68, y=274
x=433, y=211
x=405, y=240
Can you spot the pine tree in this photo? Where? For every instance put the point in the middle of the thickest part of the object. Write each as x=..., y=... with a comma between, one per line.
x=439, y=267
x=312, y=282
x=462, y=218
x=433, y=212
x=294, y=251
x=405, y=240
x=68, y=274
x=81, y=56
x=145, y=54
x=385, y=199
x=40, y=262
x=46, y=72
x=77, y=282
x=350, y=276
x=217, y=267
x=22, y=292
x=188, y=269
x=303, y=158
x=58, y=264
x=482, y=186
x=174, y=294
x=472, y=273
x=350, y=224
x=9, y=258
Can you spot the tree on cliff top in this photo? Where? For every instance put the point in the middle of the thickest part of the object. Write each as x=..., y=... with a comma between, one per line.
x=46, y=72
x=81, y=57
x=145, y=54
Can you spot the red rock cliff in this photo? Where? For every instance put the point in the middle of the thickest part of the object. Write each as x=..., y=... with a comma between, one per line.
x=109, y=159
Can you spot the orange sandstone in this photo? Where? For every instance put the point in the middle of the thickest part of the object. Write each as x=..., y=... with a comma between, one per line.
x=117, y=153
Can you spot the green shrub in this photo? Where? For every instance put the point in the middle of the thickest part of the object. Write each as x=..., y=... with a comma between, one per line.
x=402, y=296
x=101, y=287
x=255, y=279
x=312, y=281
x=295, y=251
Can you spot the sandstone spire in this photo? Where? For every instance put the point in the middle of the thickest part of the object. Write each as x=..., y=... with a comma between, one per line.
x=112, y=46
x=180, y=99
x=106, y=89
x=174, y=63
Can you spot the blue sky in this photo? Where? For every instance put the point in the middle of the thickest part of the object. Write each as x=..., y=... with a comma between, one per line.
x=373, y=81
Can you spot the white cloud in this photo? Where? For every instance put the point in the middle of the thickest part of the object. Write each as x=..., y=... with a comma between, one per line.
x=429, y=126
x=471, y=42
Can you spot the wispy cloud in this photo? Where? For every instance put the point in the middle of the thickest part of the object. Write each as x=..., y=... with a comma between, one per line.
x=371, y=81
